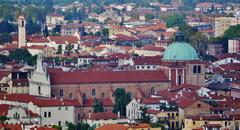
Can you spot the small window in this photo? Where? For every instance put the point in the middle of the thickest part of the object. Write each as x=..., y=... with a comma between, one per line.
x=59, y=123
x=45, y=114
x=177, y=114
x=93, y=92
x=194, y=123
x=59, y=108
x=39, y=90
x=84, y=96
x=70, y=96
x=194, y=69
x=61, y=93
x=66, y=108
x=152, y=90
x=103, y=95
x=79, y=116
x=172, y=115
x=179, y=79
x=49, y=114
x=177, y=124
x=198, y=105
x=199, y=69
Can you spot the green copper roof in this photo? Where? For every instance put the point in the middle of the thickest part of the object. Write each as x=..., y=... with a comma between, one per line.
x=180, y=51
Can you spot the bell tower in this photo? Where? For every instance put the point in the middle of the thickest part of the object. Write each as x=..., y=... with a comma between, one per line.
x=21, y=31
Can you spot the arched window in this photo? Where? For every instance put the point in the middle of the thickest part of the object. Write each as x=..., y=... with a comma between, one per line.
x=103, y=95
x=70, y=96
x=22, y=23
x=93, y=92
x=199, y=69
x=194, y=69
x=179, y=79
x=152, y=90
x=84, y=96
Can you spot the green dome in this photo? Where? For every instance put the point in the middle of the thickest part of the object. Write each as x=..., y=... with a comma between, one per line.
x=180, y=51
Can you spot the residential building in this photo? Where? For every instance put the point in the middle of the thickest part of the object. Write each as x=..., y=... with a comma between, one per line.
x=103, y=118
x=223, y=23
x=234, y=45
x=215, y=49
x=53, y=19
x=51, y=111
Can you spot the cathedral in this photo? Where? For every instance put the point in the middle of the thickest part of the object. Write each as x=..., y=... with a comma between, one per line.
x=180, y=65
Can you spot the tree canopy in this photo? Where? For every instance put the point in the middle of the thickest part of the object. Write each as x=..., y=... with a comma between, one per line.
x=121, y=100
x=98, y=106
x=22, y=55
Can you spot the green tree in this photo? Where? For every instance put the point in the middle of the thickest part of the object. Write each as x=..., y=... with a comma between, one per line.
x=188, y=31
x=98, y=9
x=158, y=125
x=149, y=17
x=105, y=32
x=59, y=50
x=71, y=126
x=145, y=117
x=5, y=38
x=32, y=27
x=199, y=41
x=4, y=59
x=57, y=127
x=22, y=55
x=83, y=126
x=56, y=30
x=6, y=27
x=3, y=119
x=232, y=32
x=121, y=100
x=45, y=31
x=98, y=106
x=175, y=20
x=93, y=20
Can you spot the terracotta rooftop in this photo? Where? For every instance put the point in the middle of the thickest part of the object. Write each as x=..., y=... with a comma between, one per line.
x=41, y=102
x=55, y=15
x=63, y=39
x=113, y=127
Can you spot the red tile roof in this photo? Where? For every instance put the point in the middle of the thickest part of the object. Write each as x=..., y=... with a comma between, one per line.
x=186, y=102
x=11, y=126
x=151, y=101
x=4, y=73
x=153, y=48
x=55, y=15
x=107, y=77
x=4, y=109
x=63, y=39
x=42, y=128
x=39, y=40
x=36, y=47
x=152, y=111
x=41, y=102
x=113, y=127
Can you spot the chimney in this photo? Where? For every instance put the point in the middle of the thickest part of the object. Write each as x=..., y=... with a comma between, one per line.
x=118, y=114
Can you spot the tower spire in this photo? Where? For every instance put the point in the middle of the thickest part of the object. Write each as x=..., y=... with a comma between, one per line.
x=21, y=31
